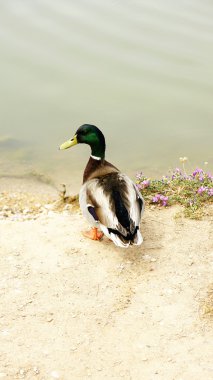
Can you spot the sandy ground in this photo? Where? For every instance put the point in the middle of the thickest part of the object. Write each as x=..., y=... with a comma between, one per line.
x=71, y=308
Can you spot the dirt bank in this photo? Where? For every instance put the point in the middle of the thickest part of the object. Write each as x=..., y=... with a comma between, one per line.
x=71, y=308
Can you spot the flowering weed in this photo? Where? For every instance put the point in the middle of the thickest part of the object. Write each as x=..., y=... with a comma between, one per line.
x=192, y=191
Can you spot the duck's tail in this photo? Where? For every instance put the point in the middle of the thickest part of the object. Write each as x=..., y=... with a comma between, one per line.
x=123, y=241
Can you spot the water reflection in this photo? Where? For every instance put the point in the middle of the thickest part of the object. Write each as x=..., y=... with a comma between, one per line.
x=140, y=70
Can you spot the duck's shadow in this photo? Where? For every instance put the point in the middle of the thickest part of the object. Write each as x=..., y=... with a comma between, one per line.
x=153, y=232
x=136, y=264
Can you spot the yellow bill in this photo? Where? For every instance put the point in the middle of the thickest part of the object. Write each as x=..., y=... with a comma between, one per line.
x=69, y=143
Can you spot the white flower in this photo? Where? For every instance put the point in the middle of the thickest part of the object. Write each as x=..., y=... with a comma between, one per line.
x=183, y=159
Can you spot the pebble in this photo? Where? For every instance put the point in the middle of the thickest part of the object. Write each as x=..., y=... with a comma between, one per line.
x=5, y=332
x=45, y=352
x=36, y=370
x=26, y=211
x=5, y=208
x=55, y=375
x=51, y=213
x=5, y=214
x=49, y=319
x=149, y=258
x=48, y=206
x=168, y=291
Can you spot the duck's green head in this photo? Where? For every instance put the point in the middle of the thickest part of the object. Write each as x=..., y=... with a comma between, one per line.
x=91, y=135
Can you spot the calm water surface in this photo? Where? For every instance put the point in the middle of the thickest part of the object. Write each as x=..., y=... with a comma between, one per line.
x=141, y=70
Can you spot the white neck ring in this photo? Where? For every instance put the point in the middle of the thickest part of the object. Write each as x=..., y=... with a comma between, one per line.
x=95, y=158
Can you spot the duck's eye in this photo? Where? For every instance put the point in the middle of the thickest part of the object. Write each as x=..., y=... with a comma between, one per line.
x=83, y=133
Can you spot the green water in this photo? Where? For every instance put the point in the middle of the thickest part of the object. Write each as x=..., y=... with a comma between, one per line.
x=142, y=71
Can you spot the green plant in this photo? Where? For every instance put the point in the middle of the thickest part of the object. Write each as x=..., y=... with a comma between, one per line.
x=192, y=191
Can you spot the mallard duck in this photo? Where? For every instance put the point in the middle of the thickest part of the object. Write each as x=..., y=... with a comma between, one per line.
x=109, y=200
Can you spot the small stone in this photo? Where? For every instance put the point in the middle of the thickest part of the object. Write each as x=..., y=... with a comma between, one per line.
x=5, y=332
x=55, y=375
x=36, y=370
x=168, y=291
x=45, y=352
x=67, y=207
x=5, y=208
x=50, y=319
x=26, y=211
x=51, y=213
x=48, y=206
x=147, y=257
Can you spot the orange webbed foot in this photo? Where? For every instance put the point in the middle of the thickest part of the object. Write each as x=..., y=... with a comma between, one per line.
x=93, y=234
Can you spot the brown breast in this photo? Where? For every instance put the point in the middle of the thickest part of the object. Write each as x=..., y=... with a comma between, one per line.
x=97, y=168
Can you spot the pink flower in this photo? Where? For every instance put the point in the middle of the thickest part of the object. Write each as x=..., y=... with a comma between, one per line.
x=197, y=171
x=210, y=192
x=159, y=198
x=139, y=186
x=145, y=183
x=209, y=176
x=156, y=198
x=164, y=200
x=201, y=190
